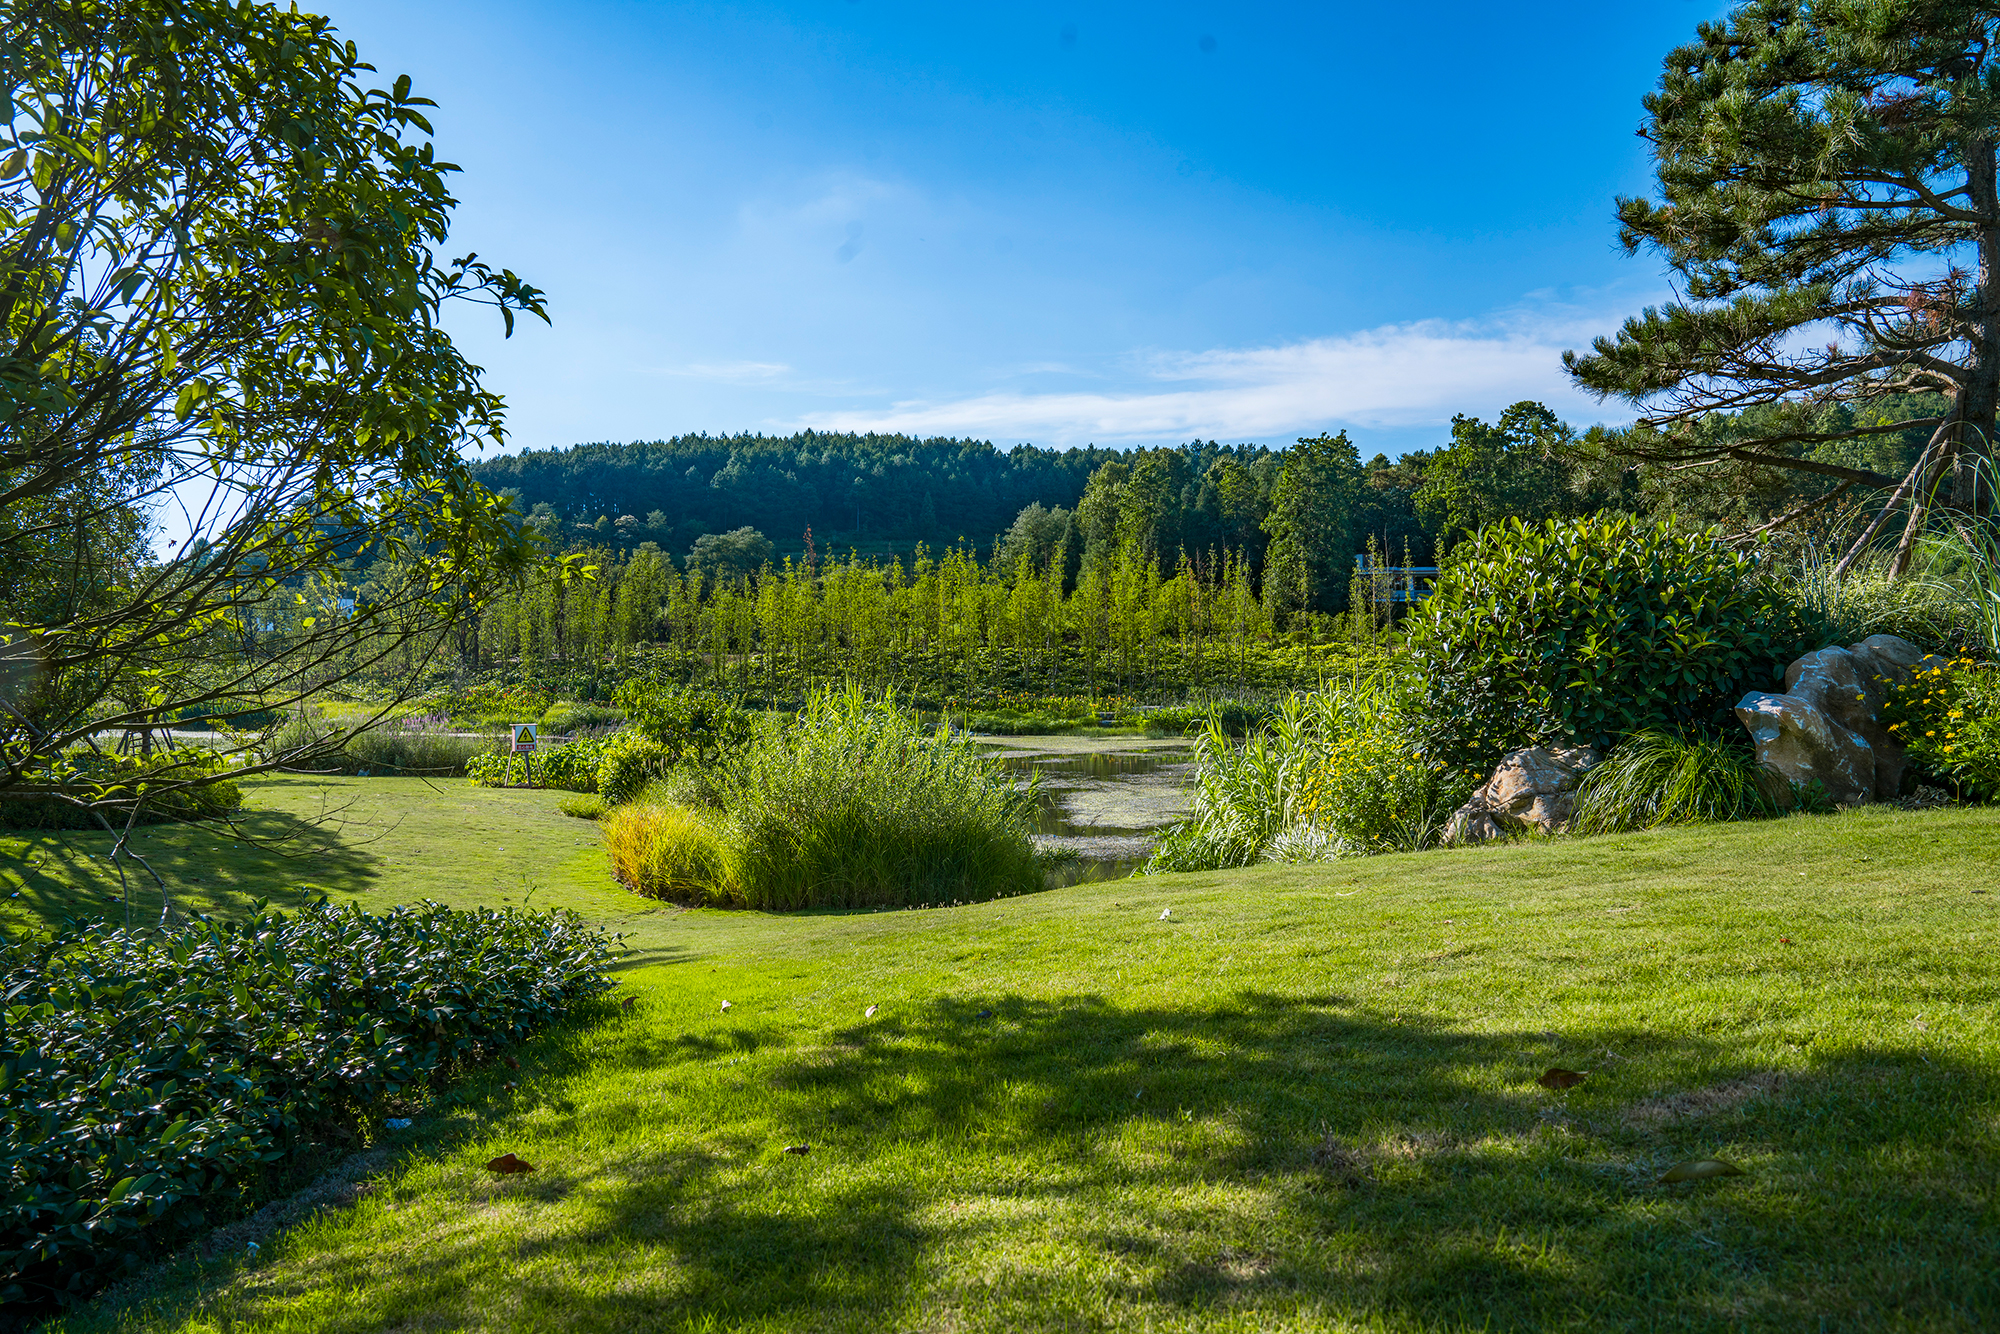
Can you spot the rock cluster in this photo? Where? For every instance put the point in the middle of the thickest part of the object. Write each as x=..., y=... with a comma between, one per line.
x=1530, y=789
x=1827, y=725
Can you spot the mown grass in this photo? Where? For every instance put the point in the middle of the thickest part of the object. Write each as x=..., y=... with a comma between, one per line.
x=374, y=842
x=1303, y=1100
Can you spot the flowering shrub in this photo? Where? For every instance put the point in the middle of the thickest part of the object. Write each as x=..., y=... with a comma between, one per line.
x=1949, y=719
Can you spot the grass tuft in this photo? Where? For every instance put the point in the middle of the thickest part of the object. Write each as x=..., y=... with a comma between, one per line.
x=1657, y=778
x=672, y=853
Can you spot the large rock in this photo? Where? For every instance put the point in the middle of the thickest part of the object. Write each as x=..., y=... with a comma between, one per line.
x=1827, y=726
x=1531, y=789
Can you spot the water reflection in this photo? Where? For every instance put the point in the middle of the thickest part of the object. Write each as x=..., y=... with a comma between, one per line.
x=1105, y=806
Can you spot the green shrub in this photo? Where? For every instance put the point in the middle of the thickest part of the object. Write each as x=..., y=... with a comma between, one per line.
x=121, y=777
x=146, y=1082
x=1659, y=778
x=1334, y=773
x=583, y=806
x=670, y=852
x=491, y=703
x=1581, y=631
x=570, y=767
x=630, y=760
x=221, y=716
x=1948, y=718
x=689, y=725
x=858, y=804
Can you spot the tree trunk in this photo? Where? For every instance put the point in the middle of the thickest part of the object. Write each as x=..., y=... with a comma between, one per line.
x=1979, y=399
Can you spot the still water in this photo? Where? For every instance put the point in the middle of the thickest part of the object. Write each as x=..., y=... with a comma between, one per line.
x=1105, y=799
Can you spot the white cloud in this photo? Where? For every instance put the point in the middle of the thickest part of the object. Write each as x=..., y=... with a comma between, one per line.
x=1397, y=375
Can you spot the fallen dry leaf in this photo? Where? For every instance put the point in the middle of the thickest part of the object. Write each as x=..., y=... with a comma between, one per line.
x=1555, y=1077
x=1700, y=1169
x=507, y=1164
x=628, y=1003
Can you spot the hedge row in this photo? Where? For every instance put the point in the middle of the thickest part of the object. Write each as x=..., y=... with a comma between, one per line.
x=145, y=1082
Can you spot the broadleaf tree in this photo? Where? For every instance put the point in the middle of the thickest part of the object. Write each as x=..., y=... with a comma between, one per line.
x=226, y=401
x=1827, y=204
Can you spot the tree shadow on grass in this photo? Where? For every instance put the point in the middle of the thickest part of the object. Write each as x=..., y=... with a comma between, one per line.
x=1023, y=1163
x=209, y=866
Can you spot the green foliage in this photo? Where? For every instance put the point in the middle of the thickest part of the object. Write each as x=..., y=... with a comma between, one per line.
x=490, y=703
x=732, y=556
x=1948, y=718
x=1312, y=526
x=1586, y=630
x=1518, y=469
x=859, y=804
x=692, y=726
x=1934, y=613
x=1655, y=778
x=1235, y=716
x=583, y=806
x=123, y=778
x=222, y=288
x=1335, y=773
x=145, y=1082
x=676, y=491
x=1046, y=715
x=419, y=753
x=629, y=761
x=571, y=766
x=566, y=718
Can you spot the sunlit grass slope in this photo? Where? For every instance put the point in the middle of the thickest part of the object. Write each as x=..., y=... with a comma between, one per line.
x=1306, y=1099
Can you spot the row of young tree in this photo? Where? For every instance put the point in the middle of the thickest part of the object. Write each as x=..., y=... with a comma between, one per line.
x=1293, y=518
x=945, y=620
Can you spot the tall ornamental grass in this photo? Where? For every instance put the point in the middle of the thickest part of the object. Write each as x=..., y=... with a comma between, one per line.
x=673, y=853
x=1334, y=773
x=854, y=804
x=859, y=804
x=1656, y=778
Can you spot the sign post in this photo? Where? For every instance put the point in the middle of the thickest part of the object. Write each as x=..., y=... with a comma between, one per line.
x=524, y=746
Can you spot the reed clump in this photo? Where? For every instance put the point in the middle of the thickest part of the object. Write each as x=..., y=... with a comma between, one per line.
x=855, y=803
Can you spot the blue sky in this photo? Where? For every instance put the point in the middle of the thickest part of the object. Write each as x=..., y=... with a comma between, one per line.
x=1052, y=224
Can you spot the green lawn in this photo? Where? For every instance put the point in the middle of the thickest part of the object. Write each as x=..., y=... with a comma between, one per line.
x=1305, y=1100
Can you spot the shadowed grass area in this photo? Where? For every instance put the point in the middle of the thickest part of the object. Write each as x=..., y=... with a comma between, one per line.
x=1305, y=1099
x=370, y=841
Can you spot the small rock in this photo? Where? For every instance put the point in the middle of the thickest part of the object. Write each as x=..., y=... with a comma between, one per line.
x=1532, y=788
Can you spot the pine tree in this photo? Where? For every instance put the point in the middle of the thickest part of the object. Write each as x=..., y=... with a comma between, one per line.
x=1829, y=206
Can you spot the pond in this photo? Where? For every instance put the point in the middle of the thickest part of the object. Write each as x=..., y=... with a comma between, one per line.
x=1103, y=798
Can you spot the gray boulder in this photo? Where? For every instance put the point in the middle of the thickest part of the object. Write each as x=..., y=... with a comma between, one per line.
x=1530, y=789
x=1828, y=723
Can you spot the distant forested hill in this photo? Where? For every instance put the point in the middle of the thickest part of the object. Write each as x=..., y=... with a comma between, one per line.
x=872, y=491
